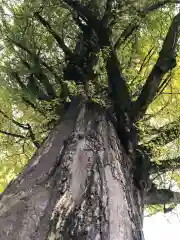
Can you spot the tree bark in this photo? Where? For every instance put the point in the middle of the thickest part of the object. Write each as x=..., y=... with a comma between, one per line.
x=78, y=185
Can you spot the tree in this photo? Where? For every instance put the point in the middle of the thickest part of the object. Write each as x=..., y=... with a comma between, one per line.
x=85, y=63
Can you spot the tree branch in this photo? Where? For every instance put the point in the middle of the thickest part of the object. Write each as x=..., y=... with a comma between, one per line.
x=162, y=196
x=12, y=134
x=107, y=13
x=165, y=62
x=33, y=106
x=39, y=73
x=36, y=143
x=134, y=25
x=18, y=79
x=121, y=98
x=118, y=87
x=86, y=13
x=165, y=166
x=49, y=28
x=166, y=133
x=128, y=31
x=158, y=5
x=34, y=56
x=25, y=127
x=24, y=87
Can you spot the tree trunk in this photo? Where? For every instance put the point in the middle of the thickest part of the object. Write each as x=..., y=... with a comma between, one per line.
x=78, y=185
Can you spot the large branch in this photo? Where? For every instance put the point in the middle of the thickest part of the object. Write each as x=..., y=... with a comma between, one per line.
x=165, y=62
x=120, y=97
x=118, y=86
x=107, y=13
x=56, y=36
x=162, y=196
x=165, y=166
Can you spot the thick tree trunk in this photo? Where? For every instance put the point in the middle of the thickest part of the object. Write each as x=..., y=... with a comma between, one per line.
x=78, y=185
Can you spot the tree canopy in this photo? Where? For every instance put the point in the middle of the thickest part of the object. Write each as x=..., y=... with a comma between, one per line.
x=43, y=42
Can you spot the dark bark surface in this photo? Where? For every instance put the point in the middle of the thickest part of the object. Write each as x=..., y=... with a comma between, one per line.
x=78, y=185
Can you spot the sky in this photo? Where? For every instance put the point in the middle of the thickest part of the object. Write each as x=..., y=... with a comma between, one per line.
x=163, y=226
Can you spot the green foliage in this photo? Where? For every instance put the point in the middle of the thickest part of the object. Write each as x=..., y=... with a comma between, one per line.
x=152, y=210
x=28, y=48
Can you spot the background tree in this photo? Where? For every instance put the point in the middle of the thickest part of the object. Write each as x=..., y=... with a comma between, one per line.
x=91, y=88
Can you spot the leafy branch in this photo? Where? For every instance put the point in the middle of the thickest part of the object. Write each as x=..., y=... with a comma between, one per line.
x=165, y=63
x=26, y=127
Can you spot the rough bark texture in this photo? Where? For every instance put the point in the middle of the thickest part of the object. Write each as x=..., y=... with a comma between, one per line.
x=78, y=185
